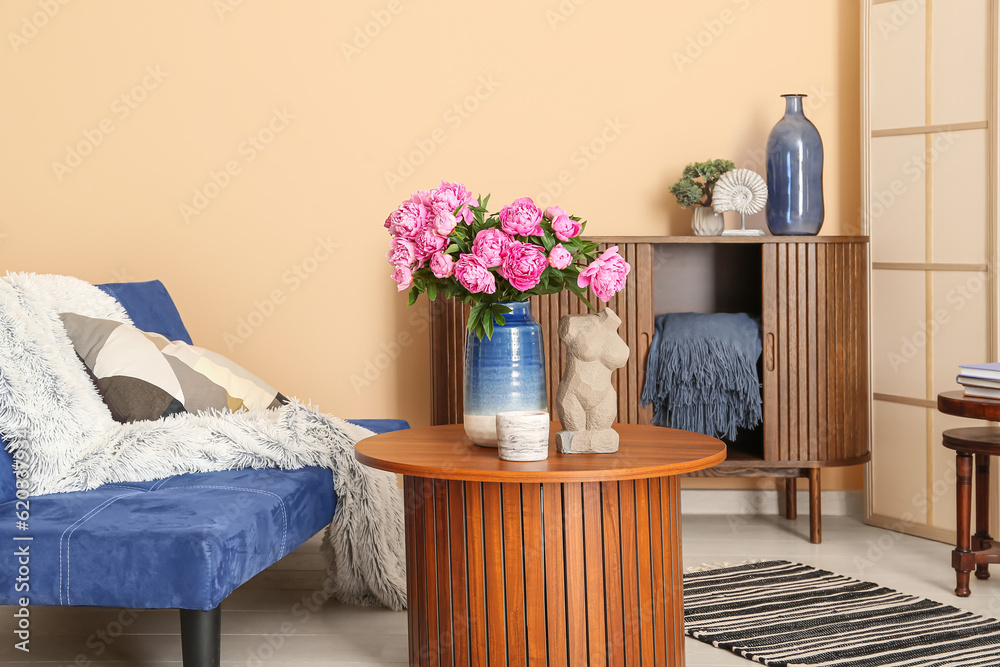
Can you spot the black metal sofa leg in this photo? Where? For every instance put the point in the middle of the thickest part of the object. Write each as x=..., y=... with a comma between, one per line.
x=201, y=637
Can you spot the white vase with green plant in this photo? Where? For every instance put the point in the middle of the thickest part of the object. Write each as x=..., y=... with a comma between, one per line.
x=694, y=191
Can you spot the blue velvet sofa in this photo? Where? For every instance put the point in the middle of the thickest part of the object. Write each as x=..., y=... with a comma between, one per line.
x=184, y=543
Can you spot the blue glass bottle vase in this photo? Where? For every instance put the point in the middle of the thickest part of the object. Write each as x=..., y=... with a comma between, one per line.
x=794, y=158
x=504, y=373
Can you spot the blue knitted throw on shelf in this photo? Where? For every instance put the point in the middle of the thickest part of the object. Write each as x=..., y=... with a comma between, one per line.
x=701, y=374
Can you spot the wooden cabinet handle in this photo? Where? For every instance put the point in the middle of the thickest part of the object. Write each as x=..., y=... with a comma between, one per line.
x=769, y=352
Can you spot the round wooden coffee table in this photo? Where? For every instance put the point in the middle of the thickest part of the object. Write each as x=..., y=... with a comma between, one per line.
x=573, y=560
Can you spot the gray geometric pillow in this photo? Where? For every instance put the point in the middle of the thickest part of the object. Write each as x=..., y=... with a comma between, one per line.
x=144, y=376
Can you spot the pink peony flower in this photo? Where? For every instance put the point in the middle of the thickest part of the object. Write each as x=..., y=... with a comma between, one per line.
x=522, y=265
x=452, y=197
x=427, y=243
x=402, y=252
x=521, y=218
x=403, y=277
x=489, y=245
x=473, y=274
x=605, y=275
x=444, y=221
x=565, y=228
x=553, y=212
x=408, y=220
x=559, y=257
x=442, y=265
x=425, y=197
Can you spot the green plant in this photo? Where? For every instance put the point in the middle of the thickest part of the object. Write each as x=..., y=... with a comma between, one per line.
x=698, y=181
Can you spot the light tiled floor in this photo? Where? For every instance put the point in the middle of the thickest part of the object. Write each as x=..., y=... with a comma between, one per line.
x=269, y=622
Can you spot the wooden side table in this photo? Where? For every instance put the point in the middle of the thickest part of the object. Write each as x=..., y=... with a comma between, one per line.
x=972, y=551
x=574, y=560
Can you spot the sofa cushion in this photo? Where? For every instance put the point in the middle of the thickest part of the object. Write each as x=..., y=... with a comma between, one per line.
x=145, y=376
x=186, y=541
x=151, y=309
x=204, y=534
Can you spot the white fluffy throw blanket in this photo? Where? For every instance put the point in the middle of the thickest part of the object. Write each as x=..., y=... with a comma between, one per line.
x=50, y=411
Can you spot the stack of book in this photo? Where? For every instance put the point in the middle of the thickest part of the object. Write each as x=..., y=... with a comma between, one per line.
x=980, y=380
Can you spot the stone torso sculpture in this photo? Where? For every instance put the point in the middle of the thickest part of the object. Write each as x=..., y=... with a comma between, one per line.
x=586, y=402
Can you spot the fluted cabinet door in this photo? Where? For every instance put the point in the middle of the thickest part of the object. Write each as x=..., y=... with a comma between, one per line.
x=815, y=355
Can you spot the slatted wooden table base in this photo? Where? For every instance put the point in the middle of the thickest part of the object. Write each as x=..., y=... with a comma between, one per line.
x=554, y=572
x=571, y=561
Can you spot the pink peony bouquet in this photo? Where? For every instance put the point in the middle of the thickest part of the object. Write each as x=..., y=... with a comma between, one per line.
x=445, y=243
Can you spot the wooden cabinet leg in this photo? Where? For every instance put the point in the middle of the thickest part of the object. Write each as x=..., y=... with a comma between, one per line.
x=815, y=509
x=962, y=558
x=982, y=540
x=791, y=507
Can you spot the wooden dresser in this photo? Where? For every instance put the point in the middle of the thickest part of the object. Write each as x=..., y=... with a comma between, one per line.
x=811, y=295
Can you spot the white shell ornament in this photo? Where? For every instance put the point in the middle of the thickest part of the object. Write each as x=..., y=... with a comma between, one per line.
x=740, y=190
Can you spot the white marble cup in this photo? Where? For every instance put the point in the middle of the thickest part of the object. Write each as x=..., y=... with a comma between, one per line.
x=523, y=436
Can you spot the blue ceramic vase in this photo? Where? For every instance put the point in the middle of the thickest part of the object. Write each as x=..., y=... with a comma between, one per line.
x=503, y=373
x=794, y=174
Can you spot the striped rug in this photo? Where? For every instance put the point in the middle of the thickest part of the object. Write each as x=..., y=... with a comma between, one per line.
x=780, y=613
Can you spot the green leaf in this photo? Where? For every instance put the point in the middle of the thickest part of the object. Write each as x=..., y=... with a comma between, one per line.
x=556, y=279
x=451, y=248
x=488, y=326
x=581, y=293
x=549, y=241
x=690, y=191
x=414, y=293
x=432, y=291
x=476, y=310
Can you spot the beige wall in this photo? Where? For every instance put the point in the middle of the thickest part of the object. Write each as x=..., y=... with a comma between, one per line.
x=611, y=98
